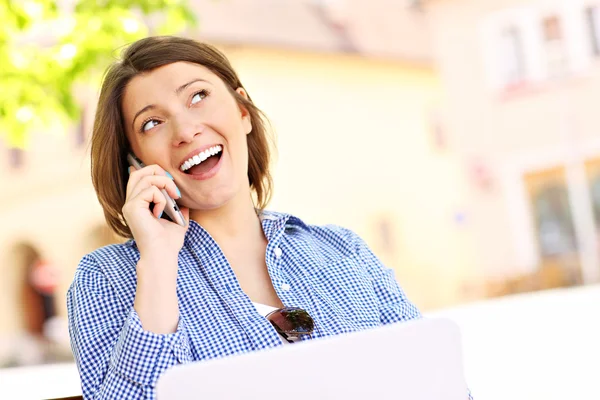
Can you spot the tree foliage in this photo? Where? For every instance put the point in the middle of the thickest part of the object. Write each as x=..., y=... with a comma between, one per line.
x=48, y=47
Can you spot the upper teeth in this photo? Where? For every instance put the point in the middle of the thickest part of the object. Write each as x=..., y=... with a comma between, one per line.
x=198, y=158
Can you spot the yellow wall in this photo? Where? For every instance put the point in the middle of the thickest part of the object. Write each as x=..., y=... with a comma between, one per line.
x=355, y=145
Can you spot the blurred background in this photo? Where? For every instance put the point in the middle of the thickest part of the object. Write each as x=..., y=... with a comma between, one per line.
x=459, y=138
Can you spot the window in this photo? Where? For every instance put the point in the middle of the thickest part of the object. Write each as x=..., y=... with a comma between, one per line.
x=595, y=194
x=523, y=47
x=81, y=132
x=551, y=208
x=556, y=60
x=593, y=179
x=437, y=131
x=15, y=157
x=593, y=21
x=510, y=47
x=552, y=31
x=556, y=233
x=512, y=61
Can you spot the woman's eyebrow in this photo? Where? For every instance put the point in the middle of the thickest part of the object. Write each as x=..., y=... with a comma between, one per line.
x=185, y=85
x=143, y=110
x=177, y=91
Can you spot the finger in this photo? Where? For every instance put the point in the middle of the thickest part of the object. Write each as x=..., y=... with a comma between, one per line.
x=149, y=195
x=186, y=218
x=136, y=175
x=159, y=208
x=161, y=182
x=141, y=203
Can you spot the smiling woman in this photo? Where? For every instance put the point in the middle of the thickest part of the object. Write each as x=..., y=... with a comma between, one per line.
x=235, y=277
x=186, y=120
x=188, y=82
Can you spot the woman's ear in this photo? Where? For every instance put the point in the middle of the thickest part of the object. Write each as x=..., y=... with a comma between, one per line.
x=246, y=120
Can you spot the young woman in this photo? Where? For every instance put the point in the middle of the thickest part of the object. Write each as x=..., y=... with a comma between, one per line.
x=235, y=278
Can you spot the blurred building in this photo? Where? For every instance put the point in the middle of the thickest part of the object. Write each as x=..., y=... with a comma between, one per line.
x=521, y=79
x=352, y=94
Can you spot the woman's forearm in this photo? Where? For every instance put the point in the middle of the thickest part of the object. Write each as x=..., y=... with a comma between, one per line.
x=156, y=294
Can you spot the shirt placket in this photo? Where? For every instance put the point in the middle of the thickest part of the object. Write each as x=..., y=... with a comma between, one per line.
x=223, y=280
x=275, y=258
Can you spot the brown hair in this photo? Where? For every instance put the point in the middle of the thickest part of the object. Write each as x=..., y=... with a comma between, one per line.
x=109, y=145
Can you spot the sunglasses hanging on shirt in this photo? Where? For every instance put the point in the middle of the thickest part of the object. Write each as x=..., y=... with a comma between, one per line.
x=291, y=322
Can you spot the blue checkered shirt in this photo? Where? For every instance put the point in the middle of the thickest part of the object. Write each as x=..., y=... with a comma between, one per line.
x=328, y=271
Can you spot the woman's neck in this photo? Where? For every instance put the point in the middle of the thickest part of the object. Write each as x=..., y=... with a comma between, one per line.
x=235, y=221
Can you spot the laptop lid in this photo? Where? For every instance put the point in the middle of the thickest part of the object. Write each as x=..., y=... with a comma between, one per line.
x=415, y=360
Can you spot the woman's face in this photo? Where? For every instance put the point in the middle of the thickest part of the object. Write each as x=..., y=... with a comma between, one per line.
x=184, y=118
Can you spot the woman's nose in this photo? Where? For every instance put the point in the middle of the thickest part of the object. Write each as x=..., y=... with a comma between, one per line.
x=185, y=128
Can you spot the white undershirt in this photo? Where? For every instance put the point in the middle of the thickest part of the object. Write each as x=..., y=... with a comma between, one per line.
x=263, y=310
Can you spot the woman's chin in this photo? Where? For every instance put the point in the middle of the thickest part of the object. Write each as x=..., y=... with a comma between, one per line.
x=208, y=202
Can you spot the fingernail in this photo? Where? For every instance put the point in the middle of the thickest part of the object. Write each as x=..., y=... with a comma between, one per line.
x=178, y=192
x=160, y=215
x=129, y=170
x=169, y=175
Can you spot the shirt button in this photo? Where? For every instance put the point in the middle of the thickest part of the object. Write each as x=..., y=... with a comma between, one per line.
x=278, y=252
x=285, y=287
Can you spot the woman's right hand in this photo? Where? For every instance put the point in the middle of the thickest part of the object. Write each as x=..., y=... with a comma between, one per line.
x=155, y=237
x=159, y=242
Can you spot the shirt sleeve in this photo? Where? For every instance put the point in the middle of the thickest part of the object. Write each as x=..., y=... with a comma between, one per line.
x=116, y=358
x=394, y=306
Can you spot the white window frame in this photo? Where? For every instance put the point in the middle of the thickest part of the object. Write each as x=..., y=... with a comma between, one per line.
x=529, y=20
x=574, y=31
x=588, y=40
x=490, y=32
x=513, y=169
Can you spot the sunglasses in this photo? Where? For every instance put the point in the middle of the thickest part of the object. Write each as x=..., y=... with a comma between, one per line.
x=291, y=322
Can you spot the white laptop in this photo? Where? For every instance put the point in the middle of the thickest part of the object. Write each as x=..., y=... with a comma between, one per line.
x=415, y=360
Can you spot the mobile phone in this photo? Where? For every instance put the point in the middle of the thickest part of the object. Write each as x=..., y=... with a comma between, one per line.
x=171, y=209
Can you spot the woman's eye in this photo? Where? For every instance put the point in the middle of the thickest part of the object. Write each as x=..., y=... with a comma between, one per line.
x=149, y=125
x=199, y=96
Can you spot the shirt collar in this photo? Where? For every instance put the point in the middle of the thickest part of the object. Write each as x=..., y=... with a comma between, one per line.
x=273, y=223
x=288, y=220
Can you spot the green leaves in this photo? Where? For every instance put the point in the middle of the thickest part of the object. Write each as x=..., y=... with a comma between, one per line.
x=48, y=46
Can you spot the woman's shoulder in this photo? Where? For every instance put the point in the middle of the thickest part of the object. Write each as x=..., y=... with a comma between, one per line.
x=341, y=241
x=331, y=236
x=111, y=259
x=107, y=271
x=336, y=235
x=114, y=253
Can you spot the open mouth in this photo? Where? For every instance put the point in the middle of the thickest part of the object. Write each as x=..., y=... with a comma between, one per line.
x=203, y=162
